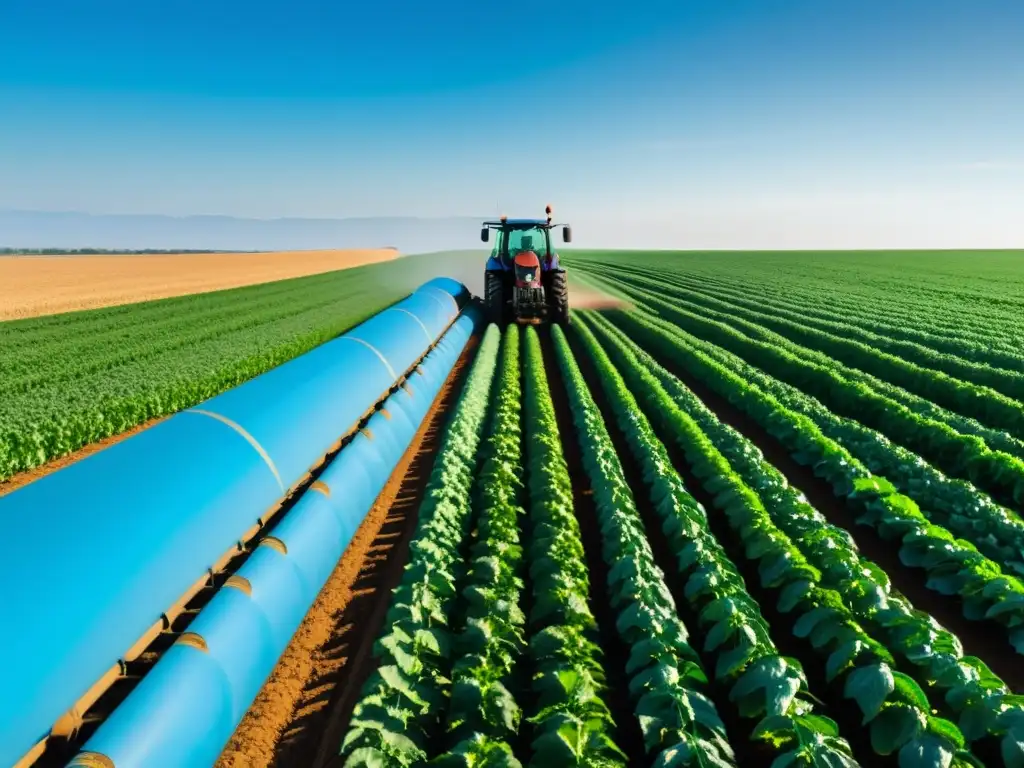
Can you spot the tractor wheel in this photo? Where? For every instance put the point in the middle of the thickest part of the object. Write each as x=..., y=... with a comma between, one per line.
x=494, y=297
x=559, y=298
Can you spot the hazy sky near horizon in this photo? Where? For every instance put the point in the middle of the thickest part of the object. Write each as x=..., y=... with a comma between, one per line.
x=749, y=123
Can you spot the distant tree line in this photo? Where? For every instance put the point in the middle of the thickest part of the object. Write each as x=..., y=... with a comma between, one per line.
x=102, y=251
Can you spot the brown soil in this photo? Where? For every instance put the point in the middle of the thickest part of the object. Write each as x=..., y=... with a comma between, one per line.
x=24, y=478
x=586, y=296
x=308, y=698
x=42, y=285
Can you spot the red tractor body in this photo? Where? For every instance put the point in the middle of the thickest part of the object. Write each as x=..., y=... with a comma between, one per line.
x=527, y=268
x=528, y=300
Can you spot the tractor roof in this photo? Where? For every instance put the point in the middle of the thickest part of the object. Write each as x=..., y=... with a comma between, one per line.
x=520, y=223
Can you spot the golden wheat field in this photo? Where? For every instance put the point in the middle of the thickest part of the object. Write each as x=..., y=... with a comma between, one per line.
x=42, y=285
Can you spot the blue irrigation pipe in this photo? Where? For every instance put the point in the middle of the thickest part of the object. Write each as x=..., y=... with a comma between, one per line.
x=186, y=709
x=101, y=549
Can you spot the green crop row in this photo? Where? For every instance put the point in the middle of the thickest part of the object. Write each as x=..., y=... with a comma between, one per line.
x=892, y=704
x=926, y=348
x=55, y=399
x=572, y=725
x=483, y=714
x=768, y=690
x=134, y=347
x=998, y=532
x=953, y=566
x=96, y=342
x=667, y=686
x=913, y=366
x=399, y=713
x=60, y=335
x=945, y=291
x=964, y=355
x=970, y=691
x=965, y=456
x=981, y=402
x=995, y=438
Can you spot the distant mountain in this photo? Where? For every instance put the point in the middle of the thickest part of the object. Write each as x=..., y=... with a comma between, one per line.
x=45, y=229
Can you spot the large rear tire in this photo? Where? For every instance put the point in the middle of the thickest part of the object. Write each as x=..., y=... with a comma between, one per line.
x=559, y=298
x=494, y=297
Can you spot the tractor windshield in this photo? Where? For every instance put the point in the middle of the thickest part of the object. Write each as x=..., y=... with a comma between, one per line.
x=534, y=239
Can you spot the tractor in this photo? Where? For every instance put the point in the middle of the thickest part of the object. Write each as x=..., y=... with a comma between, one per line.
x=523, y=280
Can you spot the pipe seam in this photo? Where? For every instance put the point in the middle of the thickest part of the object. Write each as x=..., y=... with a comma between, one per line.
x=438, y=298
x=249, y=438
x=430, y=339
x=274, y=543
x=377, y=352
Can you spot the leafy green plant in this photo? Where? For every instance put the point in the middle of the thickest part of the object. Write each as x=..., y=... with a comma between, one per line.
x=997, y=531
x=953, y=566
x=980, y=401
x=867, y=399
x=761, y=682
x=981, y=701
x=483, y=709
x=957, y=352
x=680, y=724
x=478, y=751
x=935, y=654
x=847, y=650
x=944, y=379
x=72, y=379
x=398, y=714
x=572, y=723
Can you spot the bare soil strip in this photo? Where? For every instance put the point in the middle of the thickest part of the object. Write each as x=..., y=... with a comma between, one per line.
x=584, y=295
x=300, y=716
x=41, y=285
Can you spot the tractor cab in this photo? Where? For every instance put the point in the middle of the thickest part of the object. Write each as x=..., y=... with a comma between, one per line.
x=524, y=280
x=519, y=238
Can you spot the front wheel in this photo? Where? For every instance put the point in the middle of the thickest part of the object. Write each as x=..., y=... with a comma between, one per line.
x=559, y=298
x=494, y=297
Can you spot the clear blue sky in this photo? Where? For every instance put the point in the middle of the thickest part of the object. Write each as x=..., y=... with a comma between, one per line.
x=674, y=123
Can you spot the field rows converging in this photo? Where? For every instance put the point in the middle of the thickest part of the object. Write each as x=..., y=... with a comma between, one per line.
x=745, y=511
x=781, y=555
x=70, y=380
x=750, y=625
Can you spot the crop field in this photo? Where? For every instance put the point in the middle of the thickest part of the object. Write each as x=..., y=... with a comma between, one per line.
x=746, y=510
x=70, y=380
x=39, y=285
x=766, y=513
